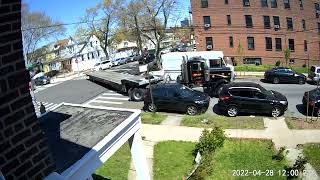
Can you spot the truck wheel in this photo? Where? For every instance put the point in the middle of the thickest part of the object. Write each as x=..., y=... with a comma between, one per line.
x=137, y=94
x=218, y=90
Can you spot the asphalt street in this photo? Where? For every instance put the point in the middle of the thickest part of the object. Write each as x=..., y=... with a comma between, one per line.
x=86, y=92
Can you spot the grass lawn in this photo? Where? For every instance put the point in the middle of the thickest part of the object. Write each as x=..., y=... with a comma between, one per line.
x=298, y=123
x=172, y=159
x=245, y=155
x=117, y=167
x=240, y=122
x=152, y=118
x=262, y=68
x=312, y=153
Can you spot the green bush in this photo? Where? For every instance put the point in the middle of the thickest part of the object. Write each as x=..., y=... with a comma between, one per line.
x=205, y=168
x=278, y=63
x=210, y=140
x=298, y=165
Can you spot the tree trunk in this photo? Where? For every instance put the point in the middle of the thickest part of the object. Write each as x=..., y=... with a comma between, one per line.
x=139, y=41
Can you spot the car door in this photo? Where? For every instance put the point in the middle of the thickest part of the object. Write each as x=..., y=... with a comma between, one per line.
x=281, y=74
x=262, y=104
x=290, y=76
x=242, y=98
x=160, y=97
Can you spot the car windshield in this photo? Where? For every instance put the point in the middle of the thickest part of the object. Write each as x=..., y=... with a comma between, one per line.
x=186, y=91
x=97, y=64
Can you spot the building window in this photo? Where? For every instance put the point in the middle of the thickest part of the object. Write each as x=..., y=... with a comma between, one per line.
x=274, y=4
x=268, y=43
x=82, y=57
x=318, y=27
x=291, y=44
x=256, y=61
x=207, y=20
x=305, y=45
x=248, y=21
x=92, y=56
x=204, y=3
x=301, y=4
x=250, y=43
x=91, y=44
x=209, y=43
x=98, y=52
x=229, y=20
x=264, y=3
x=278, y=44
x=266, y=22
x=226, y=1
x=317, y=9
x=231, y=41
x=286, y=4
x=246, y=2
x=276, y=22
x=289, y=24
x=88, y=56
x=291, y=61
x=303, y=24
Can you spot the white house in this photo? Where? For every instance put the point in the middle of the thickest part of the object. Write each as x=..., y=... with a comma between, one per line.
x=85, y=54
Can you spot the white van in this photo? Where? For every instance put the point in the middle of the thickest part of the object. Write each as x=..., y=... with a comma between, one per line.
x=171, y=62
x=314, y=73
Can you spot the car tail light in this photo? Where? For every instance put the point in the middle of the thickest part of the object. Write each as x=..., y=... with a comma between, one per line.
x=311, y=103
x=224, y=98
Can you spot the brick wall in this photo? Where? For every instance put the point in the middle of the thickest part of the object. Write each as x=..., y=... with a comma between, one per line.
x=220, y=31
x=23, y=148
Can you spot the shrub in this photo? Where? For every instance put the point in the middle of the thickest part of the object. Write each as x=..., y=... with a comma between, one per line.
x=280, y=154
x=304, y=65
x=210, y=140
x=297, y=166
x=278, y=63
x=205, y=168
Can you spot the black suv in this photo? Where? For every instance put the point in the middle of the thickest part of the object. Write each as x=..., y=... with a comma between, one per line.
x=176, y=97
x=251, y=98
x=284, y=75
x=311, y=101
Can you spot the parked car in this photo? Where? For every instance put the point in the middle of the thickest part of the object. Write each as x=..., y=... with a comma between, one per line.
x=251, y=98
x=311, y=101
x=130, y=58
x=102, y=65
x=116, y=62
x=176, y=97
x=122, y=61
x=42, y=80
x=314, y=73
x=137, y=57
x=147, y=59
x=284, y=75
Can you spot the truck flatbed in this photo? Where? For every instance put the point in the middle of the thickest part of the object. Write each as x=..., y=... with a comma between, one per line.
x=122, y=82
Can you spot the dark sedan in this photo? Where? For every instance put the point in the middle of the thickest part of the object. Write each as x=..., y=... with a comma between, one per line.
x=284, y=75
x=176, y=97
x=43, y=80
x=251, y=98
x=311, y=102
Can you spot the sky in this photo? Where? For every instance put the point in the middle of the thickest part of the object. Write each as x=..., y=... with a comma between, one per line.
x=70, y=11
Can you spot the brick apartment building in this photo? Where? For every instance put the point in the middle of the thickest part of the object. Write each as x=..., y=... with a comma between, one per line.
x=258, y=31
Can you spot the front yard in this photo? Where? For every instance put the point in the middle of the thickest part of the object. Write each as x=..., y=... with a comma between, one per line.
x=298, y=123
x=312, y=153
x=152, y=118
x=173, y=160
x=240, y=122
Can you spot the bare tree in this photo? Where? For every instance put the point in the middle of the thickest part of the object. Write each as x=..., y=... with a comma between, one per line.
x=157, y=14
x=101, y=19
x=37, y=26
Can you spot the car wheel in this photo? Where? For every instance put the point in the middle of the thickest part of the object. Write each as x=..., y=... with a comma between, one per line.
x=275, y=80
x=152, y=107
x=192, y=110
x=301, y=81
x=276, y=111
x=232, y=111
x=137, y=94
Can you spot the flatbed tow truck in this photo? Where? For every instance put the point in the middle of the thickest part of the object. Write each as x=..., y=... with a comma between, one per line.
x=133, y=85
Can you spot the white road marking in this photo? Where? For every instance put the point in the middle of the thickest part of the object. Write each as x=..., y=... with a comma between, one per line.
x=104, y=102
x=113, y=98
x=111, y=94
